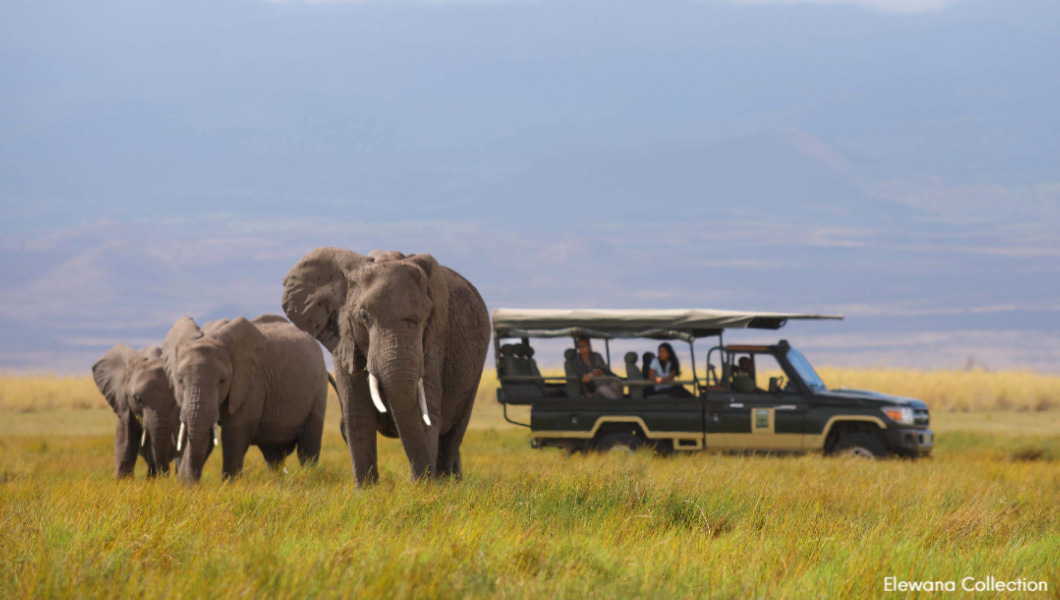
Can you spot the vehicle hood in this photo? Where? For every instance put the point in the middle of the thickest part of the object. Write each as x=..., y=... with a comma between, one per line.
x=844, y=395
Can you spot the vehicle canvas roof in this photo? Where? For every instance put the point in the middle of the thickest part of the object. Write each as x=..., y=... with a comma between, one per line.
x=678, y=323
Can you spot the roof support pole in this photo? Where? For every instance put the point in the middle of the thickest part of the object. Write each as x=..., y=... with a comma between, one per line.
x=695, y=378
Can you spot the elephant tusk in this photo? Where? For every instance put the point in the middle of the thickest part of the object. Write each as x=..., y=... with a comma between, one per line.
x=423, y=404
x=216, y=441
x=143, y=439
x=180, y=437
x=373, y=386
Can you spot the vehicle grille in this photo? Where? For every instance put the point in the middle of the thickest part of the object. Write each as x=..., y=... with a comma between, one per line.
x=921, y=416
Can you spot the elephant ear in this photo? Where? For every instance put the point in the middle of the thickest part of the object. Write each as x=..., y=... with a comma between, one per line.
x=212, y=326
x=314, y=293
x=438, y=290
x=183, y=330
x=111, y=373
x=246, y=347
x=154, y=352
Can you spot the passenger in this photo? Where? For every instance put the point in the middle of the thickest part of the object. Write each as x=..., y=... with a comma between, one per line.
x=743, y=379
x=590, y=365
x=665, y=368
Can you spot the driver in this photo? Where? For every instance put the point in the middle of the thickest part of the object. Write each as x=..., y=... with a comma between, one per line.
x=743, y=378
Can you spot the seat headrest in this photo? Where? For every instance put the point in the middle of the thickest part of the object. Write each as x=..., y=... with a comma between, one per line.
x=569, y=353
x=526, y=351
x=631, y=357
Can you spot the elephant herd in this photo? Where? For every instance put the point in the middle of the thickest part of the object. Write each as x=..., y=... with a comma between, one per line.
x=408, y=338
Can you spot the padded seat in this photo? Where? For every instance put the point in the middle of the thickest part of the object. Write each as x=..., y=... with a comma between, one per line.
x=517, y=360
x=574, y=385
x=634, y=374
x=645, y=365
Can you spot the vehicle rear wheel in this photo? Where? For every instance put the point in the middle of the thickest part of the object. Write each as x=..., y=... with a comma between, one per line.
x=619, y=442
x=859, y=445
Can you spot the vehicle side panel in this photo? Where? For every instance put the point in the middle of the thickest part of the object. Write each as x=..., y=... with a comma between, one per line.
x=659, y=418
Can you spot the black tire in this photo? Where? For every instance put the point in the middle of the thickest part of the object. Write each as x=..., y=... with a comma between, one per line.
x=861, y=445
x=619, y=442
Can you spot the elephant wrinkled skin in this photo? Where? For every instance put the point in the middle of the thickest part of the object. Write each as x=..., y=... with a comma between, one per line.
x=135, y=385
x=409, y=338
x=263, y=381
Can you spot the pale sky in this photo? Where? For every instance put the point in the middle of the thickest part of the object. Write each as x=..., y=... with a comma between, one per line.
x=895, y=161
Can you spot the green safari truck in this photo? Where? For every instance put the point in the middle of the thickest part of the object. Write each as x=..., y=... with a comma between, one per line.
x=749, y=397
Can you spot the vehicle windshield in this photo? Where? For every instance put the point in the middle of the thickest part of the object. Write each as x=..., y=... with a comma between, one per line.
x=805, y=370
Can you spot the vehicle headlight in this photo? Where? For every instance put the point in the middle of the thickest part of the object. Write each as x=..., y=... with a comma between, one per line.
x=900, y=414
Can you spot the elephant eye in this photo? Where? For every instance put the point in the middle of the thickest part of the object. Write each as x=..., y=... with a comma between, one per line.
x=138, y=397
x=223, y=381
x=363, y=314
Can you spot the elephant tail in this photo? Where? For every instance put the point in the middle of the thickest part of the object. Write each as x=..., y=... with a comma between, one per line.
x=342, y=424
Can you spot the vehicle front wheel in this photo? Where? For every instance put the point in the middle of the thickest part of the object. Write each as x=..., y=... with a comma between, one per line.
x=619, y=442
x=859, y=445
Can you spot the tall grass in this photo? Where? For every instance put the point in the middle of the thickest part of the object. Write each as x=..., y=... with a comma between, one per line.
x=942, y=390
x=28, y=392
x=955, y=390
x=527, y=523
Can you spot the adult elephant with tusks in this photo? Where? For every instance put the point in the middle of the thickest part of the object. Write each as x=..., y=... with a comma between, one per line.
x=135, y=385
x=409, y=338
x=263, y=381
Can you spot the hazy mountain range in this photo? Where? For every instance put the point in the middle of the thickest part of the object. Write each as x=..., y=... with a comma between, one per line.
x=896, y=162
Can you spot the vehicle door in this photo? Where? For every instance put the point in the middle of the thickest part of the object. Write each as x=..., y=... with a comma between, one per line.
x=753, y=417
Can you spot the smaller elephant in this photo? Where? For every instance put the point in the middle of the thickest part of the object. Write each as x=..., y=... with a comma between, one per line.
x=135, y=385
x=263, y=381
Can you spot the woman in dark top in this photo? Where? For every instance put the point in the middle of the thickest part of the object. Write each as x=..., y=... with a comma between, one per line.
x=589, y=365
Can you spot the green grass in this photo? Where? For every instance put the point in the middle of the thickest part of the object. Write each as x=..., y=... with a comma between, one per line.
x=529, y=523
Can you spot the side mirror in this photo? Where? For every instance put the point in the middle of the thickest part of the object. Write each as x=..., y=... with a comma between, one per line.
x=775, y=385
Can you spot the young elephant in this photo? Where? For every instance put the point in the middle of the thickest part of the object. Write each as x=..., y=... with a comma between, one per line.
x=409, y=338
x=135, y=385
x=264, y=381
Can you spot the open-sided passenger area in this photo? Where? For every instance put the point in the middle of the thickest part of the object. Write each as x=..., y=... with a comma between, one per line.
x=523, y=383
x=588, y=375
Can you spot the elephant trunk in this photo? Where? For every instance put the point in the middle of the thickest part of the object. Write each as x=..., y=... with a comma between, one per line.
x=399, y=382
x=199, y=414
x=158, y=433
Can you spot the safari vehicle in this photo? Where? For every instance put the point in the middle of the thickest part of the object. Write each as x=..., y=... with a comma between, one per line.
x=792, y=411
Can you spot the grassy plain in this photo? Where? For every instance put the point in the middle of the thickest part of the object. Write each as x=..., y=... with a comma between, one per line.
x=532, y=523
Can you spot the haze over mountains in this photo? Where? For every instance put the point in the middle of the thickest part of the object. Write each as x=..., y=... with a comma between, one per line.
x=899, y=167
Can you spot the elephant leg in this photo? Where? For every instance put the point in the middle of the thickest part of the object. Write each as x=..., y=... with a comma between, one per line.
x=126, y=446
x=234, y=445
x=309, y=439
x=449, y=443
x=359, y=421
x=274, y=455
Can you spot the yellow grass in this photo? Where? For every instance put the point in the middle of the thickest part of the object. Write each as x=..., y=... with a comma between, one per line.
x=37, y=392
x=529, y=524
x=955, y=390
x=526, y=523
x=941, y=390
